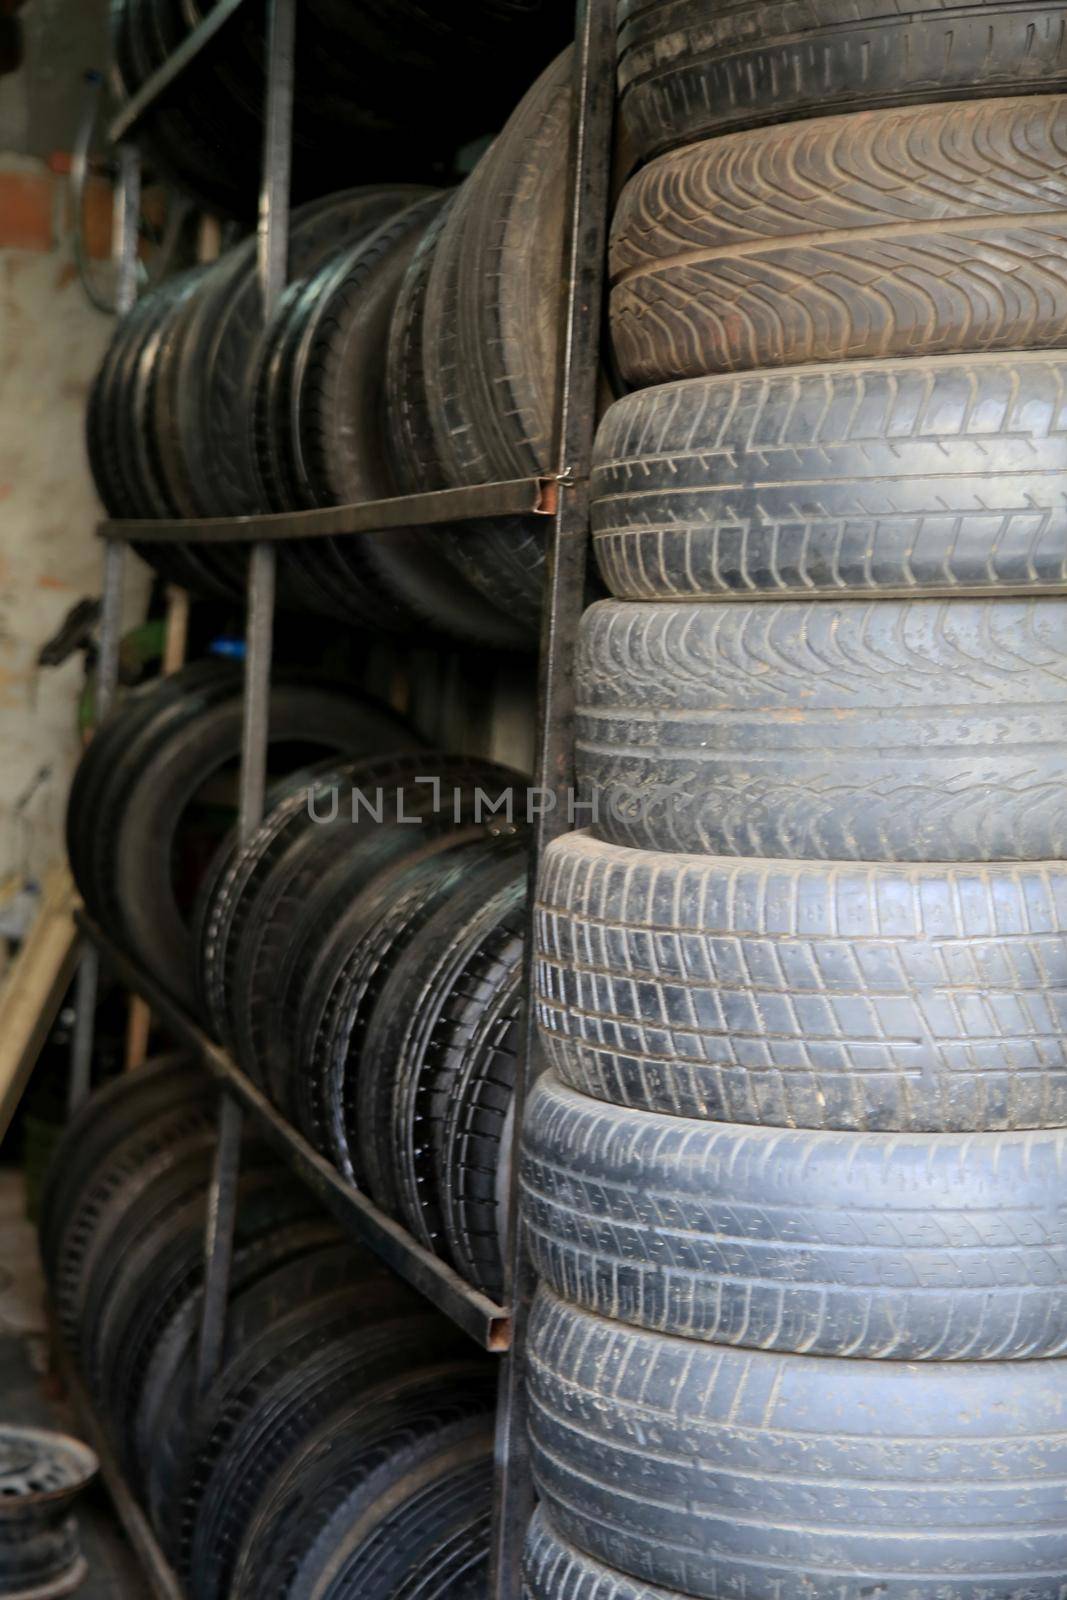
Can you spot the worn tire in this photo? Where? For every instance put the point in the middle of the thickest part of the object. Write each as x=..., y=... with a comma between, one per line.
x=796, y=994
x=889, y=730
x=491, y=333
x=553, y=1569
x=899, y=1247
x=687, y=72
x=932, y=231
x=716, y=1471
x=873, y=478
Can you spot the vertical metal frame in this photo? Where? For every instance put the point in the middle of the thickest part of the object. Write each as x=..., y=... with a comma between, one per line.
x=583, y=287
x=125, y=228
x=272, y=265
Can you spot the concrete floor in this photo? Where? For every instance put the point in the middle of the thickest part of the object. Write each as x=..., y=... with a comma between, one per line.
x=29, y=1394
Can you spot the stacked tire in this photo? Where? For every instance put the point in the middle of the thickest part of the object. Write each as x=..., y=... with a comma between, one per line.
x=344, y=1447
x=415, y=348
x=360, y=955
x=793, y=1183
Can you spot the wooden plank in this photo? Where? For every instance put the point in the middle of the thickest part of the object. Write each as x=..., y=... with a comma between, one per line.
x=34, y=987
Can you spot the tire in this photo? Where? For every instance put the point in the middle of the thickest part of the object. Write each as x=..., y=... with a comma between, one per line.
x=473, y=1149
x=119, y=1108
x=892, y=730
x=170, y=1132
x=491, y=334
x=317, y=878
x=795, y=994
x=717, y=1471
x=218, y=352
x=254, y=1424
x=269, y=1276
x=446, y=971
x=336, y=421
x=232, y=885
x=865, y=478
x=345, y=1097
x=351, y=1475
x=555, y=1570
x=148, y=812
x=686, y=72
x=895, y=1247
x=830, y=241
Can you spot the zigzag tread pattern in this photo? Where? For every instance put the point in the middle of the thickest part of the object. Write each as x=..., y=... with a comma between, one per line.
x=801, y=995
x=929, y=231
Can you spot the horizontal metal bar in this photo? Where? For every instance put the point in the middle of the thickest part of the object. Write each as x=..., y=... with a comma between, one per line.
x=158, y=1571
x=515, y=497
x=486, y=1322
x=190, y=47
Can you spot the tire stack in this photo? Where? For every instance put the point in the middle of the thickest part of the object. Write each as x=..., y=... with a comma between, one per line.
x=794, y=1184
x=344, y=1447
x=360, y=956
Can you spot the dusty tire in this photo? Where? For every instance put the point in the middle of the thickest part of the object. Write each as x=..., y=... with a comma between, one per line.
x=889, y=730
x=869, y=478
x=896, y=1247
x=797, y=994
x=933, y=231
x=718, y=1471
x=686, y=71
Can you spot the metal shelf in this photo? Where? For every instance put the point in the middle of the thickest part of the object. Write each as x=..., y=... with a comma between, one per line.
x=563, y=496
x=485, y=1322
x=537, y=497
x=132, y=110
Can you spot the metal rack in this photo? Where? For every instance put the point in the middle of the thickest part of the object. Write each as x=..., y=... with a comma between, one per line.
x=561, y=495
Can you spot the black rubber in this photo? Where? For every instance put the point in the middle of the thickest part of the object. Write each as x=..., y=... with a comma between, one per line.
x=128, y=811
x=163, y=1270
x=490, y=336
x=472, y=1147
x=358, y=1471
x=803, y=994
x=119, y=1108
x=415, y=1030
x=336, y=421
x=686, y=72
x=269, y=1277
x=933, y=231
x=345, y=1096
x=716, y=1471
x=218, y=353
x=889, y=730
x=255, y=1420
x=877, y=478
x=900, y=1247
x=105, y=1192
x=324, y=870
